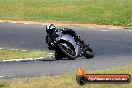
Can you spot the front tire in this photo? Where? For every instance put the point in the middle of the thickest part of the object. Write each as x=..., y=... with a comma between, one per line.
x=58, y=56
x=66, y=53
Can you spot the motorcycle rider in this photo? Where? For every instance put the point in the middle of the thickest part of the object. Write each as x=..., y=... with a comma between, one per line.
x=51, y=34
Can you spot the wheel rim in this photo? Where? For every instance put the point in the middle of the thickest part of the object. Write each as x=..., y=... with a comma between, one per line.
x=68, y=49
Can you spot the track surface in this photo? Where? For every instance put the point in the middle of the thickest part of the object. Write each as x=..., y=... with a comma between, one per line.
x=112, y=47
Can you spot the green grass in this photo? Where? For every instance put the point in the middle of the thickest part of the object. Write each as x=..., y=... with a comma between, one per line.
x=67, y=80
x=18, y=54
x=114, y=12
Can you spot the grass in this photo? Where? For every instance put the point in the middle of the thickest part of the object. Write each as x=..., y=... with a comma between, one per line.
x=67, y=80
x=113, y=12
x=16, y=54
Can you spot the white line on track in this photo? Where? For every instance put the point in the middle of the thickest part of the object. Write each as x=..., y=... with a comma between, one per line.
x=26, y=23
x=14, y=22
x=39, y=58
x=129, y=30
x=13, y=49
x=2, y=76
x=104, y=30
x=17, y=60
x=44, y=24
x=24, y=50
x=71, y=26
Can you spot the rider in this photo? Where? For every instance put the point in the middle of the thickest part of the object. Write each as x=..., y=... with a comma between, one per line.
x=51, y=31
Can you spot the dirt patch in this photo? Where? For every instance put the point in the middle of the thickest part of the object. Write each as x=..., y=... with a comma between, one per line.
x=67, y=23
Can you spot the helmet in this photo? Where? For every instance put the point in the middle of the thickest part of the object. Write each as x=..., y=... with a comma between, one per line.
x=50, y=27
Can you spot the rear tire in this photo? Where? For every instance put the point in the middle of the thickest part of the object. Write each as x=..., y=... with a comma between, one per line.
x=89, y=53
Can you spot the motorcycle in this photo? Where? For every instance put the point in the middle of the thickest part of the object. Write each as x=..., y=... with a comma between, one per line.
x=66, y=46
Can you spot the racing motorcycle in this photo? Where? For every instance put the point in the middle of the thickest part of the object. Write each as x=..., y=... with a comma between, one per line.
x=66, y=46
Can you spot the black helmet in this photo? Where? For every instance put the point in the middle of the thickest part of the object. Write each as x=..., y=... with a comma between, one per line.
x=50, y=27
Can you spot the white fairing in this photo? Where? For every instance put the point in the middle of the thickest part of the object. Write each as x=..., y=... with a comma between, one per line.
x=71, y=40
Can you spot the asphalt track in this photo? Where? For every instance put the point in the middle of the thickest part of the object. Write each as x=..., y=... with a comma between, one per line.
x=113, y=48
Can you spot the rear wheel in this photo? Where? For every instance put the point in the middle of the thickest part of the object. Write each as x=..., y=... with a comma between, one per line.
x=89, y=53
x=67, y=50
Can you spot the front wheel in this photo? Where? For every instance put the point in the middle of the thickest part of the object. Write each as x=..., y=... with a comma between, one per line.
x=89, y=53
x=58, y=56
x=67, y=50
